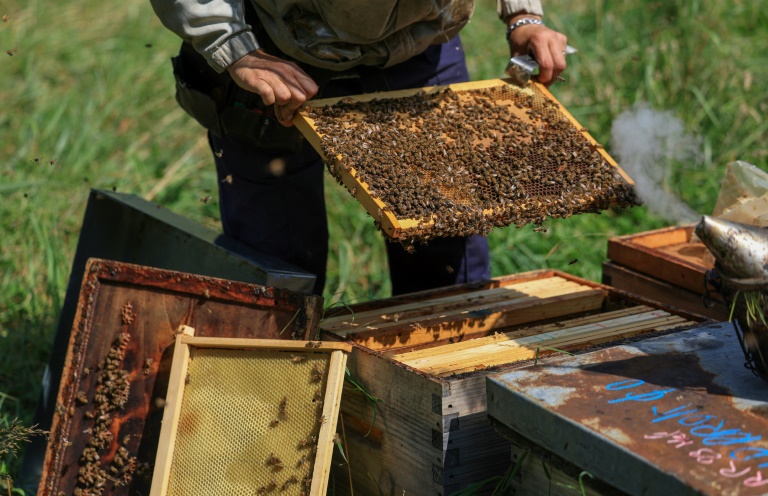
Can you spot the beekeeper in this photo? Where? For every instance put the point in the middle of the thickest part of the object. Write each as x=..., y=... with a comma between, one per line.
x=245, y=67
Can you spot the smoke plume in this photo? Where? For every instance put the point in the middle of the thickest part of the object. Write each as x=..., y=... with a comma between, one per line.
x=646, y=142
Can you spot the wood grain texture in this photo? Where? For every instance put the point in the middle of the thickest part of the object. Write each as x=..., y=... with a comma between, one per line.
x=669, y=254
x=171, y=412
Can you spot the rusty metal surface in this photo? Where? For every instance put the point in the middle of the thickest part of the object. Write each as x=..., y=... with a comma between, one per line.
x=677, y=414
x=110, y=403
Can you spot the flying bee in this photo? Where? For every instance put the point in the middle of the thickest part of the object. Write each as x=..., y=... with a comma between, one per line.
x=204, y=199
x=227, y=179
x=11, y=51
x=298, y=358
x=220, y=153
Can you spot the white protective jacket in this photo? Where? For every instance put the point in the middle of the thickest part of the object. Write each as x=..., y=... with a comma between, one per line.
x=332, y=34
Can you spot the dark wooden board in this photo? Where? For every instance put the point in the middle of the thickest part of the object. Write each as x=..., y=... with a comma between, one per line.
x=147, y=306
x=626, y=279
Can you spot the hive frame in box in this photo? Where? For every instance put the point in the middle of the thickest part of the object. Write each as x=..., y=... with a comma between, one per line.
x=176, y=418
x=430, y=433
x=399, y=228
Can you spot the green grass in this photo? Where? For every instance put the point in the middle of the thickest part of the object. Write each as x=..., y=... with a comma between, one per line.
x=89, y=86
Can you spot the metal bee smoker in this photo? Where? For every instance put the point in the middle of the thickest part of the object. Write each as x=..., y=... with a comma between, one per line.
x=741, y=276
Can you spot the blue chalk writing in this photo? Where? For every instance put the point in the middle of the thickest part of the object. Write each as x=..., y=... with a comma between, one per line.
x=630, y=383
x=758, y=453
x=653, y=395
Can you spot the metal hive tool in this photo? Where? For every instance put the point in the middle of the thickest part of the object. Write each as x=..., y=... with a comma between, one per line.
x=462, y=159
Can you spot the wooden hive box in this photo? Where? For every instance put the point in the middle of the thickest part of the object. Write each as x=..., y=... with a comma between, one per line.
x=667, y=265
x=425, y=357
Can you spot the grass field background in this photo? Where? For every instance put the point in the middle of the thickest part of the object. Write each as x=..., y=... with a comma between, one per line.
x=86, y=101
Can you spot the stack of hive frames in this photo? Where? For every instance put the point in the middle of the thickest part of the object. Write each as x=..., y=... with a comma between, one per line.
x=247, y=417
x=430, y=433
x=462, y=159
x=119, y=356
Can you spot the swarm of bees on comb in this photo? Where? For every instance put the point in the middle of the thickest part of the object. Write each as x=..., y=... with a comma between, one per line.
x=464, y=162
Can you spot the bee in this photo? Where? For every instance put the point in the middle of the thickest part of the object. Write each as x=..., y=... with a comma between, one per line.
x=317, y=374
x=298, y=358
x=37, y=160
x=204, y=199
x=220, y=153
x=291, y=480
x=573, y=261
x=227, y=179
x=323, y=419
x=313, y=344
x=52, y=162
x=309, y=441
x=6, y=18
x=187, y=379
x=274, y=423
x=282, y=410
x=11, y=51
x=274, y=462
x=449, y=269
x=541, y=229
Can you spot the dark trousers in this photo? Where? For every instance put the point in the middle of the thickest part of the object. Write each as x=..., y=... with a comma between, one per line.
x=274, y=202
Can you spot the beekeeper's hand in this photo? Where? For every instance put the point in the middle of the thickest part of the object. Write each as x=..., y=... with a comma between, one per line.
x=546, y=45
x=279, y=82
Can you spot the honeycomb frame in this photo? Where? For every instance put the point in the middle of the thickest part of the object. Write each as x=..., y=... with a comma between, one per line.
x=537, y=161
x=249, y=416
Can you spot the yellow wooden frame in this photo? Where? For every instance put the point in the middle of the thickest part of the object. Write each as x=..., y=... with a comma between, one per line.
x=186, y=341
x=391, y=225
